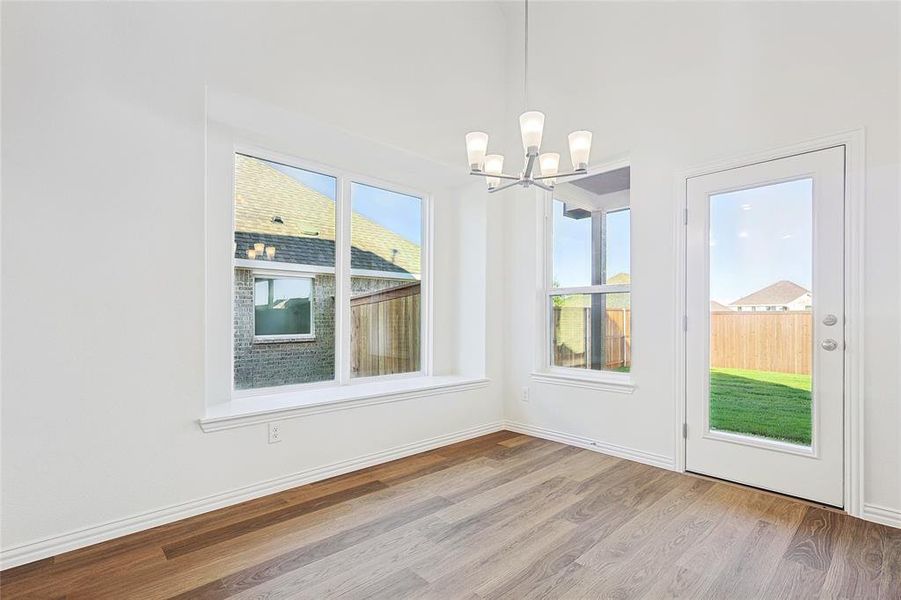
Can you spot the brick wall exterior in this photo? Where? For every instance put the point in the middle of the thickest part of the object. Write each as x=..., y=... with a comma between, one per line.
x=284, y=363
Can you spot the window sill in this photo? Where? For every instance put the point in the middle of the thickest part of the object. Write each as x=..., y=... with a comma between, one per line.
x=291, y=339
x=274, y=407
x=620, y=383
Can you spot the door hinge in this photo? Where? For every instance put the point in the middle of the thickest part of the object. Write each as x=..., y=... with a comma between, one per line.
x=685, y=430
x=685, y=214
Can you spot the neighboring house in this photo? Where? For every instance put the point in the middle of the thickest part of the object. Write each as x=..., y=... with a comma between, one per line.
x=718, y=306
x=284, y=321
x=780, y=296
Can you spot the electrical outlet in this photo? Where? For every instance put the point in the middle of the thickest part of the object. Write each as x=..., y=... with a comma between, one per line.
x=275, y=433
x=524, y=394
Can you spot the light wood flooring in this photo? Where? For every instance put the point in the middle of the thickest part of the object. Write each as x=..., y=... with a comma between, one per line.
x=501, y=516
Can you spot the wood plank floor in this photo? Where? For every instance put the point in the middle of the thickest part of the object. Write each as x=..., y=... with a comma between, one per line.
x=501, y=516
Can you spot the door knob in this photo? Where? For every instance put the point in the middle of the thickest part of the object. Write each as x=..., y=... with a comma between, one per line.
x=830, y=320
x=829, y=344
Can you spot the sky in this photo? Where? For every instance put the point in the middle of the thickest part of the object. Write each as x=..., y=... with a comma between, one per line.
x=400, y=213
x=572, y=247
x=760, y=236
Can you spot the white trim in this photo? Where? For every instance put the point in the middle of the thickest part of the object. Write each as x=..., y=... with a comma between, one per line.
x=607, y=382
x=743, y=439
x=855, y=201
x=281, y=267
x=609, y=288
x=544, y=370
x=344, y=179
x=54, y=545
x=647, y=458
x=881, y=514
x=278, y=405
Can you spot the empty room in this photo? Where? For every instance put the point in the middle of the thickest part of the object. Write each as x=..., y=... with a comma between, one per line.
x=450, y=300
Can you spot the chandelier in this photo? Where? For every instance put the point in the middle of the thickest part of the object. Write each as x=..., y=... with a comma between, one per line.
x=531, y=127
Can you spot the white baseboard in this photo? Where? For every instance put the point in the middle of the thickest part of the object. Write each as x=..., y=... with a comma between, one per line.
x=881, y=514
x=51, y=546
x=648, y=458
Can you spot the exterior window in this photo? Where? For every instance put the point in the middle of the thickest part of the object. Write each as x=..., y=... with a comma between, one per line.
x=299, y=317
x=386, y=254
x=283, y=308
x=589, y=288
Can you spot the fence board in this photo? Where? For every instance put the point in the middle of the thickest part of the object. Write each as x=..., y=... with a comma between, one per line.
x=385, y=329
x=762, y=341
x=573, y=339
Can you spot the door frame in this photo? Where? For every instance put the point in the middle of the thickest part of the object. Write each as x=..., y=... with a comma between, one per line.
x=854, y=142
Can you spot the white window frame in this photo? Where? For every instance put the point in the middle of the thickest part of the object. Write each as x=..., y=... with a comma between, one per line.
x=290, y=337
x=343, y=272
x=546, y=371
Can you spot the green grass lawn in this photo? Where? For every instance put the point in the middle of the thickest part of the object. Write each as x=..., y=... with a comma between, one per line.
x=762, y=403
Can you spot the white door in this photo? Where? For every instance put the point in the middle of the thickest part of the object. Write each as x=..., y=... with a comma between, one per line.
x=765, y=320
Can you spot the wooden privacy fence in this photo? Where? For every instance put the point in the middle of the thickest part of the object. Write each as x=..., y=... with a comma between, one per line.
x=573, y=343
x=384, y=334
x=761, y=341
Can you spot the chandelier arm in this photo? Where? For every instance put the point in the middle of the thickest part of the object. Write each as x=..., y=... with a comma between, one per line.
x=498, y=175
x=571, y=174
x=544, y=186
x=505, y=186
x=530, y=165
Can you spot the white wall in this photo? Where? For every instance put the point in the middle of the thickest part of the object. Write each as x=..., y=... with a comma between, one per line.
x=103, y=189
x=679, y=85
x=103, y=235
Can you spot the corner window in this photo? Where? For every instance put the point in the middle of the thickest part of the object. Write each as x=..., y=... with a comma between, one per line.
x=588, y=290
x=311, y=304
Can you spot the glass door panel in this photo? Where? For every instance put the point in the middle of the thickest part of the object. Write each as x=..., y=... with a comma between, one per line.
x=761, y=341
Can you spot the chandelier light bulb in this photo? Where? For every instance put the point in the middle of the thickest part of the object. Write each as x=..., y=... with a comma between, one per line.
x=251, y=253
x=531, y=126
x=579, y=149
x=494, y=165
x=550, y=165
x=258, y=247
x=270, y=252
x=476, y=147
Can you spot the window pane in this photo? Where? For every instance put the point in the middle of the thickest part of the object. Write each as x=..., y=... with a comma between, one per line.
x=283, y=215
x=386, y=237
x=591, y=230
x=572, y=246
x=616, y=247
x=592, y=331
x=761, y=324
x=283, y=306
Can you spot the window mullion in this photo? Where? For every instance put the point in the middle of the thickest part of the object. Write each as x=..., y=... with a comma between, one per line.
x=342, y=282
x=609, y=288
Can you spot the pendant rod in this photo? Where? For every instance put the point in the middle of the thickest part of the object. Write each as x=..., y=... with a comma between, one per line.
x=525, y=76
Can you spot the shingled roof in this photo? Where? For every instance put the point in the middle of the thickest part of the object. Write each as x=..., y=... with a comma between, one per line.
x=781, y=292
x=277, y=210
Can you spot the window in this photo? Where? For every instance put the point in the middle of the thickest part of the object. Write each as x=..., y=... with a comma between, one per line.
x=300, y=316
x=282, y=308
x=386, y=254
x=589, y=283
